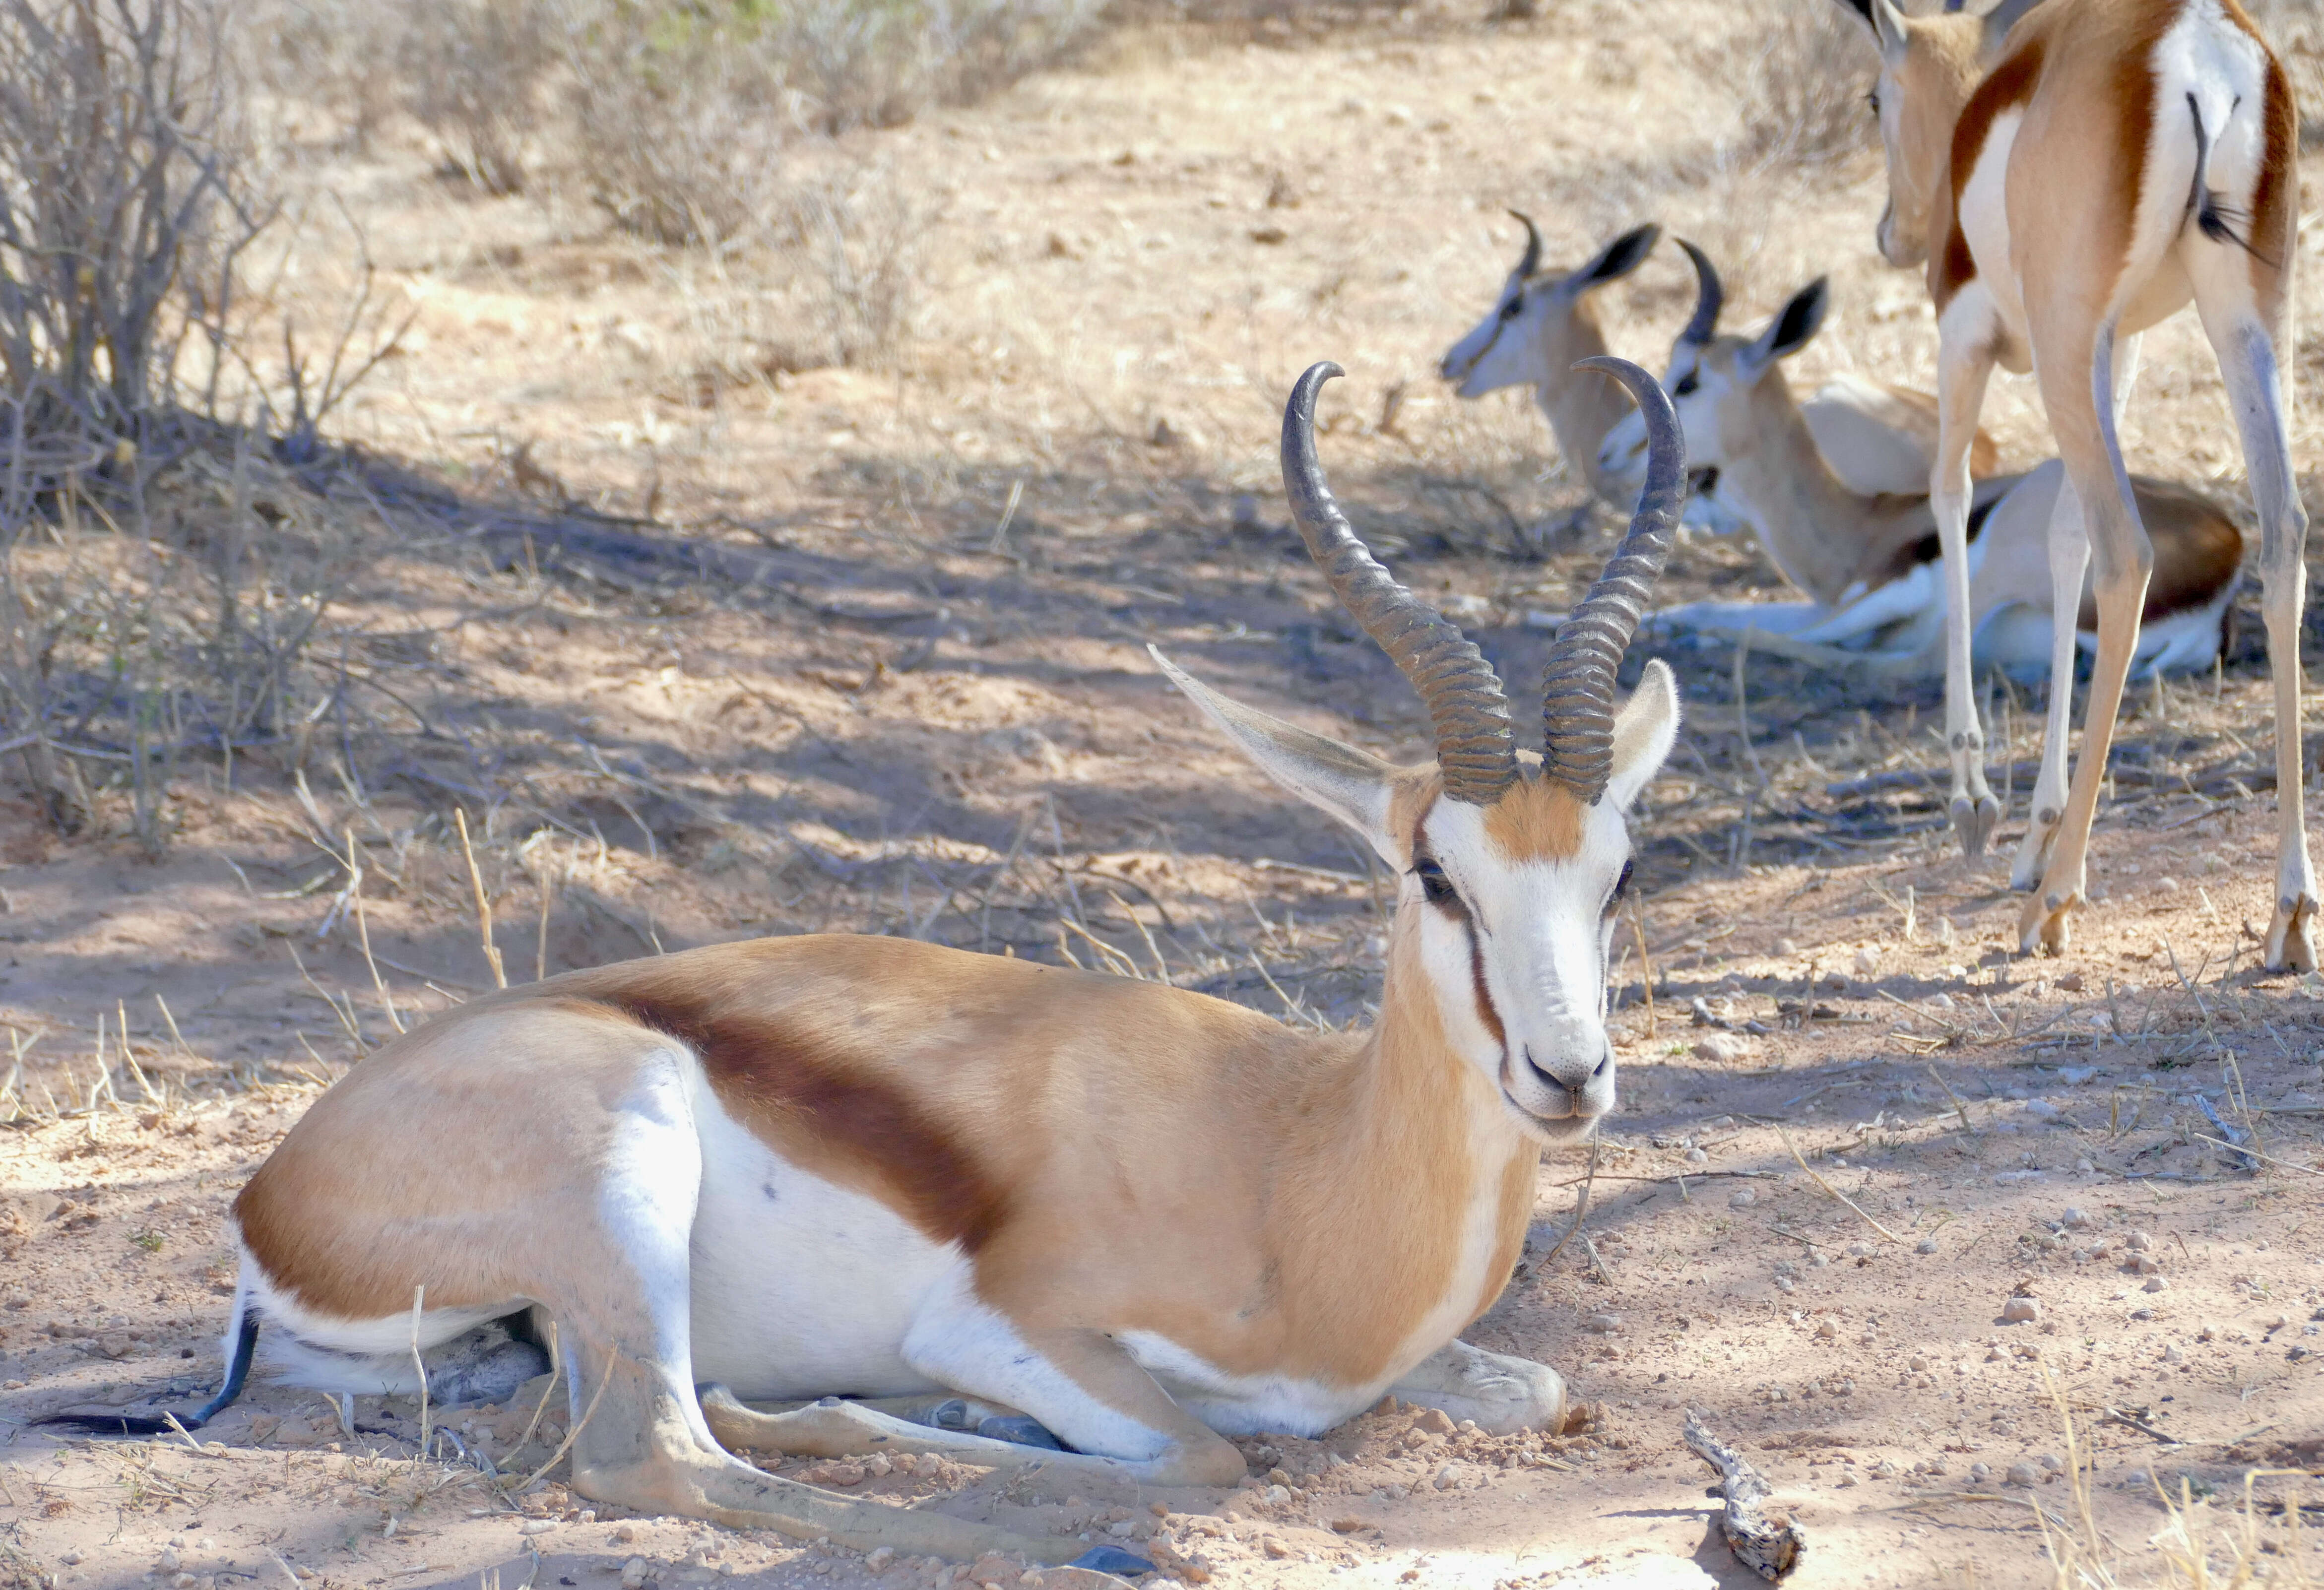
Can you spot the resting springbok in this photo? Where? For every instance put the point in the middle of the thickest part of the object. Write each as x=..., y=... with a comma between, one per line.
x=2071, y=174
x=1544, y=325
x=873, y=1167
x=1871, y=563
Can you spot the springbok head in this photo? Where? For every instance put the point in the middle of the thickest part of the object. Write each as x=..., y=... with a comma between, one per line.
x=1929, y=66
x=1537, y=328
x=1513, y=863
x=1712, y=377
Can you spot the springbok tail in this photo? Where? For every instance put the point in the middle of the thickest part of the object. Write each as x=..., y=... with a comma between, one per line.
x=2217, y=219
x=238, y=1370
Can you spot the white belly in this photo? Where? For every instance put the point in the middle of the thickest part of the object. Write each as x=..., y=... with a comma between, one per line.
x=800, y=1287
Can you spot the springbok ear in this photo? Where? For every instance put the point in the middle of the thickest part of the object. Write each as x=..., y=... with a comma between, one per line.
x=1886, y=24
x=1350, y=784
x=1645, y=730
x=1795, y=326
x=1618, y=258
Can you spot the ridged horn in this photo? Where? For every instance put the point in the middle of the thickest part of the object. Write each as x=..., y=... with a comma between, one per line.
x=1476, y=745
x=1532, y=261
x=1710, y=297
x=1578, y=684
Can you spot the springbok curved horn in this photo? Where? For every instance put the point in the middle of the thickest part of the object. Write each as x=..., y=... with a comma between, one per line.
x=1475, y=745
x=1708, y=297
x=1578, y=684
x=1532, y=261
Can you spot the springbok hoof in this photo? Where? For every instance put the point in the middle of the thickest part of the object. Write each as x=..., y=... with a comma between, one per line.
x=1975, y=820
x=2291, y=936
x=1020, y=1430
x=2042, y=925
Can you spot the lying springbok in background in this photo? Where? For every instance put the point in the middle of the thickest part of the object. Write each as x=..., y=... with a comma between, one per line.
x=2071, y=173
x=1871, y=564
x=1544, y=326
x=833, y=1164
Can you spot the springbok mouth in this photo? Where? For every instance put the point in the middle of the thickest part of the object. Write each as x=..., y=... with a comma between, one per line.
x=1570, y=1127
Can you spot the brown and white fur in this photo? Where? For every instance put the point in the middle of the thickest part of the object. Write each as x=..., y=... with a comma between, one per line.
x=872, y=1168
x=1871, y=564
x=2071, y=174
x=1876, y=438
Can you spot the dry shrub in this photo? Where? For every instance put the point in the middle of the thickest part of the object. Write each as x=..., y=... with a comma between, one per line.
x=687, y=121
x=2295, y=28
x=1802, y=72
x=861, y=246
x=473, y=73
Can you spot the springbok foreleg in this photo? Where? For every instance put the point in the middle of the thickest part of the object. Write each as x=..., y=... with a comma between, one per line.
x=1964, y=364
x=2069, y=558
x=1503, y=1394
x=2247, y=346
x=2081, y=417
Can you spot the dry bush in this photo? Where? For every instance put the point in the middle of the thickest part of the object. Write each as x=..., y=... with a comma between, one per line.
x=685, y=123
x=473, y=73
x=861, y=246
x=2295, y=28
x=1802, y=73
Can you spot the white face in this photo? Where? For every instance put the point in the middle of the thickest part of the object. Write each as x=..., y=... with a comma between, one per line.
x=1902, y=239
x=1506, y=348
x=1696, y=382
x=1517, y=950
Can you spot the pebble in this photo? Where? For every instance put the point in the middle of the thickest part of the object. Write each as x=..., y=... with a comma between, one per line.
x=1742, y=1199
x=1860, y=1250
x=71, y=1559
x=2021, y=1310
x=633, y=1573
x=2145, y=1263
x=2156, y=1284
x=2138, y=1242
x=625, y=1533
x=1721, y=1048
x=1867, y=963
x=167, y=1561
x=535, y=1526
x=1927, y=1245
x=1786, y=947
x=2173, y=1356
x=1447, y=1478
x=1605, y=1324
x=1918, y=1364
x=1981, y=1471
x=1826, y=1331
x=879, y=1558
x=2022, y=1474
x=1695, y=1156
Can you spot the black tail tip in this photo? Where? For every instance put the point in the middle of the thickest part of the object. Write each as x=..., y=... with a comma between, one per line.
x=109, y=1424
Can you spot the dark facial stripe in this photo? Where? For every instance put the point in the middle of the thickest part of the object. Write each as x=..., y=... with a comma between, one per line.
x=1486, y=1012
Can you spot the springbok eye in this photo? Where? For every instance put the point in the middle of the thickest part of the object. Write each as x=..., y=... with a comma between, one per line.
x=1435, y=887
x=1873, y=99
x=1513, y=308
x=1621, y=890
x=1687, y=384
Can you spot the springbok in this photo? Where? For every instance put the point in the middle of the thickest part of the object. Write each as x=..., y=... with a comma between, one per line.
x=1541, y=328
x=1130, y=1216
x=2071, y=174
x=1871, y=563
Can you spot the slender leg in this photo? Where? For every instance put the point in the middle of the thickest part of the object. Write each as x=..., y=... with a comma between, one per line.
x=2081, y=418
x=1503, y=1394
x=2246, y=344
x=1964, y=364
x=2069, y=557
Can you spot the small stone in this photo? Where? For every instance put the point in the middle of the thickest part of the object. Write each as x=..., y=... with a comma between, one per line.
x=1860, y=1250
x=2146, y=1264
x=625, y=1533
x=878, y=1466
x=1275, y=1548
x=1721, y=1048
x=1927, y=1245
x=1605, y=1324
x=1786, y=947
x=1867, y=963
x=2173, y=1356
x=842, y=1474
x=1159, y=1509
x=1743, y=1197
x=2021, y=1310
x=71, y=1559
x=535, y=1526
x=879, y=1558
x=993, y=1568
x=2156, y=1284
x=2051, y=1462
x=1981, y=1471
x=1447, y=1478
x=1918, y=1364
x=1275, y=1495
x=2084, y=1166
x=2022, y=1474
x=1694, y=1156
x=1434, y=1420
x=1826, y=1331
x=633, y=1573
x=2138, y=1242
x=167, y=1561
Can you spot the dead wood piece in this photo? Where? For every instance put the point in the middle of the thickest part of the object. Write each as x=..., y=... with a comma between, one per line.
x=1767, y=1543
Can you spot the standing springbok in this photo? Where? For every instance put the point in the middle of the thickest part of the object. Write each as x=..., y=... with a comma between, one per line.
x=1871, y=563
x=874, y=1167
x=1879, y=438
x=2071, y=174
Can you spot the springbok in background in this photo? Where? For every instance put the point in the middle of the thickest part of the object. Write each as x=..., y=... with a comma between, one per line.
x=2071, y=174
x=1129, y=1216
x=1871, y=563
x=1544, y=325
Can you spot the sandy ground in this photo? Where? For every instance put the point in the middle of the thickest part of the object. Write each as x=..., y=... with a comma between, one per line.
x=922, y=725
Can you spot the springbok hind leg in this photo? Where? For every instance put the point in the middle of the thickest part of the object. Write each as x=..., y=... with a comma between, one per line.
x=2246, y=349
x=1964, y=366
x=643, y=1444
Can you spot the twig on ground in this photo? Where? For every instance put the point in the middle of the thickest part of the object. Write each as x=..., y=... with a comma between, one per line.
x=1581, y=1206
x=483, y=904
x=1828, y=1188
x=1767, y=1543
